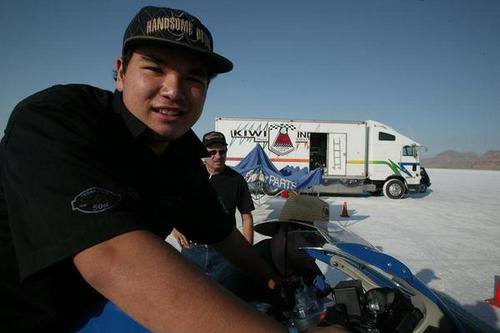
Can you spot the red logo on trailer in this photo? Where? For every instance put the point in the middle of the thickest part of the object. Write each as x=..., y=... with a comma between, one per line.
x=280, y=140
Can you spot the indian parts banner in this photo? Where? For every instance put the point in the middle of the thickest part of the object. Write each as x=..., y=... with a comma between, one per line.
x=256, y=167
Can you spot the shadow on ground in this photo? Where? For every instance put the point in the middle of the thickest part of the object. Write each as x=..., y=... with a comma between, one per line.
x=346, y=222
x=467, y=314
x=418, y=195
x=409, y=195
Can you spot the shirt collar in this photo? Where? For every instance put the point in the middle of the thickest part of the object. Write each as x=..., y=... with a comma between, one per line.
x=187, y=144
x=135, y=126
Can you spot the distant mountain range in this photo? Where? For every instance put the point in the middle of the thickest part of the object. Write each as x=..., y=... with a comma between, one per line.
x=456, y=160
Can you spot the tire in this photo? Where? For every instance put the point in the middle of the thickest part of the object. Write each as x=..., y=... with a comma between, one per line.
x=422, y=188
x=394, y=189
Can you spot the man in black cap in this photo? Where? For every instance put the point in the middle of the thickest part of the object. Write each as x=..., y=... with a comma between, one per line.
x=233, y=192
x=230, y=186
x=92, y=182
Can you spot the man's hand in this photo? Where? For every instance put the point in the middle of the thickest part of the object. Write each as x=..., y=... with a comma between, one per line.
x=181, y=239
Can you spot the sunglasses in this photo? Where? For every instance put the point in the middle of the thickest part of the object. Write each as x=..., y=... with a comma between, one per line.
x=222, y=152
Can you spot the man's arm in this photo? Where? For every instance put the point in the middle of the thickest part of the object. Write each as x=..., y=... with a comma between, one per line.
x=151, y=282
x=246, y=206
x=247, y=227
x=241, y=254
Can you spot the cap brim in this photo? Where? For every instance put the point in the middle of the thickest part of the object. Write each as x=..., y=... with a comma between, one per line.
x=215, y=62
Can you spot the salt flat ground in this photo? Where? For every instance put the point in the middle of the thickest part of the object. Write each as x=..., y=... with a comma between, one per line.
x=449, y=237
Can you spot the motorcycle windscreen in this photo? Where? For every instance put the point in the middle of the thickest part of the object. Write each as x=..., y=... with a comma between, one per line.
x=326, y=232
x=334, y=233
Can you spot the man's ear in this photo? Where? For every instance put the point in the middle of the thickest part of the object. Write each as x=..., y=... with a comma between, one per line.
x=119, y=74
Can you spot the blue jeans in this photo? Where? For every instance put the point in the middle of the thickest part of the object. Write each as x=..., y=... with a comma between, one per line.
x=210, y=261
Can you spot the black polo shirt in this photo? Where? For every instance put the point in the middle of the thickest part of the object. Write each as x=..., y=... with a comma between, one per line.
x=75, y=172
x=233, y=192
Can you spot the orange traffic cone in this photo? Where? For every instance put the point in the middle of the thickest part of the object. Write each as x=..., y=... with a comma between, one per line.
x=495, y=301
x=344, y=212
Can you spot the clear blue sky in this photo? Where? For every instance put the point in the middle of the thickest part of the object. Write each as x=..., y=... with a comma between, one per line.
x=428, y=68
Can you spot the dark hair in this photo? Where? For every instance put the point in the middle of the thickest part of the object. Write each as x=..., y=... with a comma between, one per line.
x=127, y=55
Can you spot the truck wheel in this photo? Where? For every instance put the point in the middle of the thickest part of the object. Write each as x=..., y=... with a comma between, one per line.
x=394, y=189
x=422, y=188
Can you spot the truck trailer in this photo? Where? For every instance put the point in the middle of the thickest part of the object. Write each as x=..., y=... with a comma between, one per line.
x=355, y=156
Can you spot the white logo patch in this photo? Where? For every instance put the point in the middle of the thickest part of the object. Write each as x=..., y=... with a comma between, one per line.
x=95, y=200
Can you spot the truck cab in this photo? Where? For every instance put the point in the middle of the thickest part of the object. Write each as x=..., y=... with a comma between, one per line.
x=393, y=161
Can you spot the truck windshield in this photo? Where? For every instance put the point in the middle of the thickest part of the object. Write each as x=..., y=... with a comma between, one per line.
x=410, y=151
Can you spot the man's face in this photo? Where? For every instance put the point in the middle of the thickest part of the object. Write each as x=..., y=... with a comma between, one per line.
x=217, y=156
x=165, y=88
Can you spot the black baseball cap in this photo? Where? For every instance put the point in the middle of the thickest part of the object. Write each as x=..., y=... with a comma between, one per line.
x=214, y=137
x=174, y=27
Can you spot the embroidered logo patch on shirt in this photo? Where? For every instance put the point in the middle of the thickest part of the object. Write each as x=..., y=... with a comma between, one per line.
x=95, y=200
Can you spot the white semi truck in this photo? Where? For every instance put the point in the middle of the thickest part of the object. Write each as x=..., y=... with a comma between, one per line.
x=355, y=156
